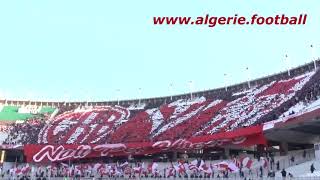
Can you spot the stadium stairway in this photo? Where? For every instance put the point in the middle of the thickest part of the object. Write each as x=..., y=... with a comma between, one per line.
x=303, y=169
x=301, y=165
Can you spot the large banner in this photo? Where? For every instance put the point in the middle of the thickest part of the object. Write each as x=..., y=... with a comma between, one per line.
x=52, y=153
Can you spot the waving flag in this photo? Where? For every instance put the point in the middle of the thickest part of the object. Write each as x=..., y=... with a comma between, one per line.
x=264, y=162
x=154, y=168
x=125, y=164
x=193, y=166
x=205, y=168
x=180, y=169
x=26, y=169
x=138, y=169
x=247, y=162
x=223, y=166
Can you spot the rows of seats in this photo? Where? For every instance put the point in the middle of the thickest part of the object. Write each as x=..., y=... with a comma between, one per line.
x=24, y=112
x=182, y=118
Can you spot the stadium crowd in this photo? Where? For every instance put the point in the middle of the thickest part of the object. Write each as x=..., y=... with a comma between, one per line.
x=182, y=118
x=237, y=167
x=197, y=168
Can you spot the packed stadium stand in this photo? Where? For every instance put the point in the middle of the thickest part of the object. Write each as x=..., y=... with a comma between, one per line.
x=232, y=119
x=181, y=118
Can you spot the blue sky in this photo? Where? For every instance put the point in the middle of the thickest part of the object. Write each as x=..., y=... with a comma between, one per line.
x=85, y=50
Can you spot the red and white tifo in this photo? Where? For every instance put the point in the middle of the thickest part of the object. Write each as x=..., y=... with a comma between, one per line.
x=233, y=119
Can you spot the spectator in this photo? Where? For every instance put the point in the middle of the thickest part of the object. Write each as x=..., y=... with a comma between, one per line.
x=292, y=159
x=312, y=168
x=271, y=174
x=284, y=173
x=290, y=175
x=241, y=174
x=272, y=162
x=261, y=171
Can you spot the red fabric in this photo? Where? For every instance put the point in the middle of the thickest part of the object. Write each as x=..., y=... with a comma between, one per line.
x=44, y=153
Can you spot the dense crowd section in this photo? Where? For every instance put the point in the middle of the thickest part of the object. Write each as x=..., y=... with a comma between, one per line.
x=182, y=168
x=21, y=133
x=182, y=118
x=243, y=166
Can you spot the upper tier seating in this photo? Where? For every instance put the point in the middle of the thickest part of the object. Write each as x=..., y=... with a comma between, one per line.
x=181, y=118
x=46, y=109
x=10, y=113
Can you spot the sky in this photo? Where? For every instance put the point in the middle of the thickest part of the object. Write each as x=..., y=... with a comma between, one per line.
x=85, y=50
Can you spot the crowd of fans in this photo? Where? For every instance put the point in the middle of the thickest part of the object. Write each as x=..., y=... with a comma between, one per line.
x=178, y=119
x=4, y=128
x=28, y=131
x=237, y=167
x=181, y=169
x=184, y=118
